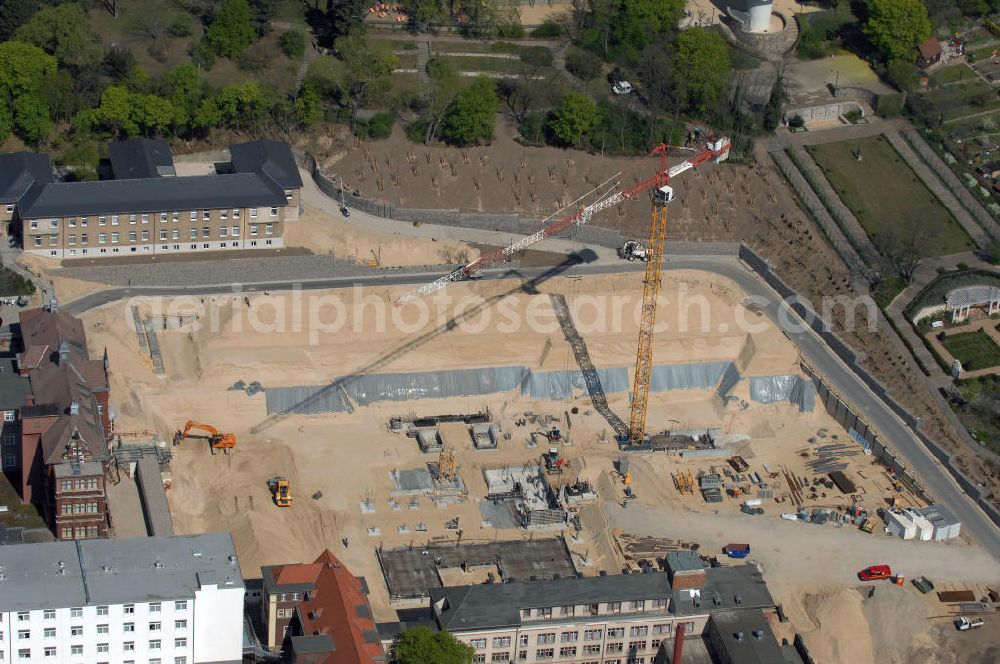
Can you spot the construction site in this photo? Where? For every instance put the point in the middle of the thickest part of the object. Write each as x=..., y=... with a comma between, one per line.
x=509, y=431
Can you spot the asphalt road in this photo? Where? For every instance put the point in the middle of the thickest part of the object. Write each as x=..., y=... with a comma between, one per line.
x=937, y=480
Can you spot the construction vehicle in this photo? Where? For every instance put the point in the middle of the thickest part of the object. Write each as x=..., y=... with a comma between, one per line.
x=633, y=251
x=281, y=491
x=216, y=440
x=554, y=463
x=964, y=624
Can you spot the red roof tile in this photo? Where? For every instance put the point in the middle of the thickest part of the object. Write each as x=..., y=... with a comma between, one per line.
x=287, y=575
x=339, y=607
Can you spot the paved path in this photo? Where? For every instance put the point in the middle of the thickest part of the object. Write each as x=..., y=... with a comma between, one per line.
x=958, y=188
x=848, y=222
x=943, y=193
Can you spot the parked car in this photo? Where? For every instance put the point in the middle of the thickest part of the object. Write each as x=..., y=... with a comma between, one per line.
x=736, y=550
x=621, y=87
x=964, y=624
x=875, y=572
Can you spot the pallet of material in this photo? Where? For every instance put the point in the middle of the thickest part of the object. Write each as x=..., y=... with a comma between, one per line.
x=954, y=596
x=844, y=483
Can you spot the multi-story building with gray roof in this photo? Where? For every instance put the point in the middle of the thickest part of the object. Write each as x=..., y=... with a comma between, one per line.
x=148, y=209
x=155, y=600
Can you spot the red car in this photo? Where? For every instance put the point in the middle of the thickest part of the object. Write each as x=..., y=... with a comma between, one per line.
x=875, y=572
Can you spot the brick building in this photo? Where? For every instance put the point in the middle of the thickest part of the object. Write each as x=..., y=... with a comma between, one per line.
x=318, y=613
x=147, y=209
x=64, y=425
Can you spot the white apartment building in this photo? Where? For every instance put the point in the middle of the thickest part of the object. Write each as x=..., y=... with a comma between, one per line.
x=154, y=600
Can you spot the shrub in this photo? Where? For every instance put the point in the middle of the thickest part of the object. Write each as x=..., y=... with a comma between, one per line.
x=538, y=56
x=293, y=43
x=548, y=30
x=796, y=122
x=202, y=54
x=181, y=26
x=377, y=126
x=582, y=64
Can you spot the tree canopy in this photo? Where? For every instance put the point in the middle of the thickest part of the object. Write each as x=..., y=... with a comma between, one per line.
x=62, y=31
x=420, y=645
x=23, y=70
x=14, y=14
x=702, y=56
x=365, y=63
x=472, y=115
x=897, y=27
x=232, y=29
x=574, y=117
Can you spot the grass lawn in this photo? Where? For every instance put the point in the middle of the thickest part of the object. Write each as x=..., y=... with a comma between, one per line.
x=484, y=63
x=975, y=350
x=25, y=516
x=959, y=72
x=887, y=196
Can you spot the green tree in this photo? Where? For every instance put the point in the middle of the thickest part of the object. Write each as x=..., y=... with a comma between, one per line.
x=263, y=13
x=231, y=29
x=574, y=118
x=444, y=86
x=14, y=14
x=23, y=108
x=472, y=116
x=308, y=106
x=365, y=64
x=242, y=107
x=582, y=64
x=293, y=43
x=64, y=32
x=346, y=16
x=703, y=56
x=420, y=645
x=425, y=12
x=896, y=27
x=115, y=111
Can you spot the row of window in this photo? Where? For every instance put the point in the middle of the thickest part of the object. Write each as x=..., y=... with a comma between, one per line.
x=594, y=609
x=549, y=653
x=25, y=654
x=85, y=484
x=79, y=508
x=102, y=220
x=133, y=236
x=77, y=612
x=78, y=532
x=574, y=636
x=77, y=630
x=176, y=247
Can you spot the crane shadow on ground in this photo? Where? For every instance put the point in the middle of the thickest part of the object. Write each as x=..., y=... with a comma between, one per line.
x=338, y=386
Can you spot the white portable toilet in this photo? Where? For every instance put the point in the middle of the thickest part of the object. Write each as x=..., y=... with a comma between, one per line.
x=900, y=525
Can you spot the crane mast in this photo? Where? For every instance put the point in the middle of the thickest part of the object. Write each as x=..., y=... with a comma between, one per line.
x=719, y=151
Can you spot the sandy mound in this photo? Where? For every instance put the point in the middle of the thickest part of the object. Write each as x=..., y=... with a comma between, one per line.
x=896, y=616
x=864, y=625
x=842, y=635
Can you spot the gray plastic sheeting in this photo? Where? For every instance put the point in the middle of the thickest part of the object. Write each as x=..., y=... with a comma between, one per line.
x=558, y=385
x=730, y=377
x=554, y=385
x=787, y=387
x=686, y=376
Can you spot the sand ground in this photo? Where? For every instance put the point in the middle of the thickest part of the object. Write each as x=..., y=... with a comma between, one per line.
x=336, y=461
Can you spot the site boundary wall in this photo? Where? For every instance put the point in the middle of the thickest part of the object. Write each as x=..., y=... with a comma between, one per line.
x=849, y=414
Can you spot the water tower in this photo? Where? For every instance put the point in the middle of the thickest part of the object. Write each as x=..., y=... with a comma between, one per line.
x=756, y=17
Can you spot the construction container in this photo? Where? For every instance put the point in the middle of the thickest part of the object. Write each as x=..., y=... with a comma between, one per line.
x=924, y=529
x=900, y=525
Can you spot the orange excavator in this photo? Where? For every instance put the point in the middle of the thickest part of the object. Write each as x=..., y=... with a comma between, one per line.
x=216, y=440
